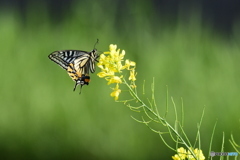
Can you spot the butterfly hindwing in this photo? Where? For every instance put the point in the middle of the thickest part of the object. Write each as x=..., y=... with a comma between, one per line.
x=80, y=79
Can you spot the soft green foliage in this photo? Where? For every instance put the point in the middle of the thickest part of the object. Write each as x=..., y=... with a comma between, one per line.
x=41, y=118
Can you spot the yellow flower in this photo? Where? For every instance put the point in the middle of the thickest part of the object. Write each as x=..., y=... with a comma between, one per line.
x=181, y=154
x=105, y=74
x=112, y=60
x=116, y=92
x=122, y=54
x=111, y=66
x=198, y=154
x=132, y=75
x=176, y=157
x=114, y=79
x=128, y=64
x=112, y=47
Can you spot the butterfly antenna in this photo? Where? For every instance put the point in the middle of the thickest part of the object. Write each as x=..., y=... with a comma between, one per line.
x=96, y=43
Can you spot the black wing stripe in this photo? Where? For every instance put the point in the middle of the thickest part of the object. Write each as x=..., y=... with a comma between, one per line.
x=81, y=61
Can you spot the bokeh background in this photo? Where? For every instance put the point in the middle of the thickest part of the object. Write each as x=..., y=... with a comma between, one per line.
x=192, y=47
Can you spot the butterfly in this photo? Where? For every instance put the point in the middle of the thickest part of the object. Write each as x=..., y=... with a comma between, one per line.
x=77, y=63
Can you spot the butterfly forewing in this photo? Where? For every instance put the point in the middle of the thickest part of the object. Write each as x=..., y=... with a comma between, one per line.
x=65, y=57
x=58, y=58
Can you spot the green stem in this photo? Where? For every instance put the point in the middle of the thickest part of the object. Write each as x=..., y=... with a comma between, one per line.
x=159, y=117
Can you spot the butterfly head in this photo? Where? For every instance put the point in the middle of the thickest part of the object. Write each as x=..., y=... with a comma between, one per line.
x=94, y=55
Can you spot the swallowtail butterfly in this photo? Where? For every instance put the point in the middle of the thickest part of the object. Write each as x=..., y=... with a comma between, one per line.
x=78, y=64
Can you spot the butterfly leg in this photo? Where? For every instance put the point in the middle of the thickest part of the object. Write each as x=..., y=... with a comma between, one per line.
x=75, y=86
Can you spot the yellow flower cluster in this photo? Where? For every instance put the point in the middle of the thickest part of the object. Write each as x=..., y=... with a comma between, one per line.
x=110, y=63
x=182, y=154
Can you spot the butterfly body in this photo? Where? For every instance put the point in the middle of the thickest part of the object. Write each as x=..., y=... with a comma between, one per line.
x=77, y=63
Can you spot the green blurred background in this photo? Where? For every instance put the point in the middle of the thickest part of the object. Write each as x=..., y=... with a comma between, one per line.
x=40, y=116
